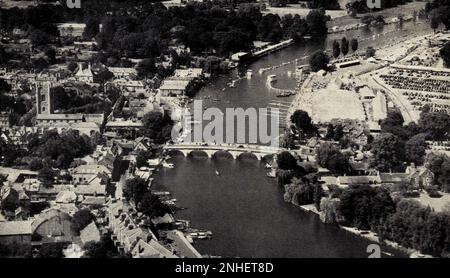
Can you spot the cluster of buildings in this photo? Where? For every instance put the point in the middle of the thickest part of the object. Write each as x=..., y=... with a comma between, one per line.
x=34, y=214
x=45, y=116
x=415, y=177
x=95, y=184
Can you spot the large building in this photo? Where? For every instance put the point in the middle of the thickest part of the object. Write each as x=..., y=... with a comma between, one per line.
x=71, y=29
x=15, y=232
x=4, y=120
x=84, y=123
x=119, y=72
x=84, y=75
x=174, y=87
x=379, y=106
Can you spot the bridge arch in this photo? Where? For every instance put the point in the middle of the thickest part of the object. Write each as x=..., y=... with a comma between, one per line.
x=248, y=154
x=223, y=153
x=173, y=152
x=199, y=153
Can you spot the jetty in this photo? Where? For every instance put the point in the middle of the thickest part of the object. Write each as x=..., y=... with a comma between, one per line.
x=272, y=48
x=279, y=92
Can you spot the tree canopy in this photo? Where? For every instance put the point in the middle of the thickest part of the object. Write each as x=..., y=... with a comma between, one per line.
x=319, y=61
x=388, y=153
x=157, y=126
x=81, y=219
x=329, y=156
x=303, y=122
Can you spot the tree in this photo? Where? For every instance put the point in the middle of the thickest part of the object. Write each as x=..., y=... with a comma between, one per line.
x=418, y=227
x=338, y=132
x=11, y=202
x=317, y=195
x=336, y=49
x=330, y=157
x=72, y=66
x=3, y=56
x=330, y=132
x=319, y=61
x=135, y=189
x=81, y=219
x=157, y=126
x=344, y=46
x=146, y=68
x=354, y=44
x=40, y=38
x=434, y=23
x=142, y=157
x=394, y=118
x=439, y=164
x=277, y=3
x=394, y=124
x=92, y=28
x=366, y=207
x=51, y=251
x=415, y=149
x=103, y=75
x=62, y=148
x=46, y=175
x=325, y=4
x=152, y=206
x=50, y=52
x=105, y=248
x=388, y=153
x=330, y=211
x=317, y=23
x=445, y=54
x=435, y=124
x=286, y=161
x=370, y=52
x=288, y=141
x=36, y=164
x=303, y=122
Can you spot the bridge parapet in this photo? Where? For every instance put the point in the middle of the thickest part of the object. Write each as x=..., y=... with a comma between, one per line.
x=234, y=150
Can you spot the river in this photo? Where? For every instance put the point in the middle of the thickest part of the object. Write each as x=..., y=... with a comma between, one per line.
x=243, y=208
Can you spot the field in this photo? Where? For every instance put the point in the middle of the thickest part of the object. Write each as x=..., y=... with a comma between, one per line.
x=7, y=4
x=297, y=9
x=388, y=13
x=332, y=103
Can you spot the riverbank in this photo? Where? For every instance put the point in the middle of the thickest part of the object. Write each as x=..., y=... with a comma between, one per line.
x=412, y=253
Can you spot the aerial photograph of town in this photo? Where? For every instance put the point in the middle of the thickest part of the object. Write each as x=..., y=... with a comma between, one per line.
x=224, y=129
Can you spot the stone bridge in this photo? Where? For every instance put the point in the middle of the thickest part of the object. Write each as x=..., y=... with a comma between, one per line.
x=234, y=150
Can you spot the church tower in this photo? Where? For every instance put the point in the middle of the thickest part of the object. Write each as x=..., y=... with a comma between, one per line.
x=43, y=99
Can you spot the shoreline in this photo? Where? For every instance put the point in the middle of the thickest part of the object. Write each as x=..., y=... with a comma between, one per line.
x=370, y=235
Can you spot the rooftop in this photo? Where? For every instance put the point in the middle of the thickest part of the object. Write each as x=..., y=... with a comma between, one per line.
x=11, y=228
x=174, y=84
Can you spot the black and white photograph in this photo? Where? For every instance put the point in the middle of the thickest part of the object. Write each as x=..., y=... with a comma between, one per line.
x=217, y=130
